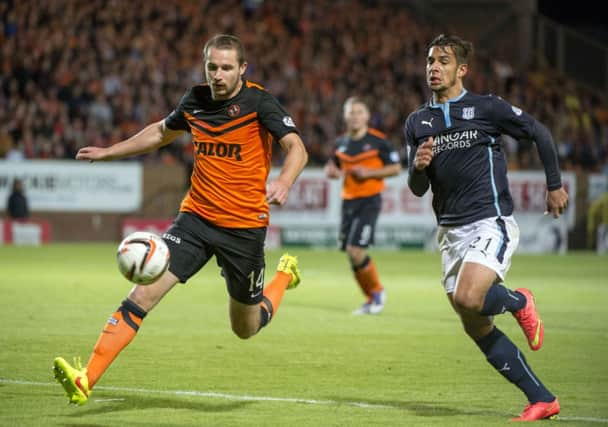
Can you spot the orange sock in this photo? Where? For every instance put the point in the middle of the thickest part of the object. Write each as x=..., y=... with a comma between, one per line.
x=367, y=278
x=116, y=335
x=273, y=294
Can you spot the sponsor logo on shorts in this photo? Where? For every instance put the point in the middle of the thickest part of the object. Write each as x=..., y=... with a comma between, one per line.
x=172, y=238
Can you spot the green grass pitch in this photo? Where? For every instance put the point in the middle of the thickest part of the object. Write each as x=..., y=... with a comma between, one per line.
x=315, y=365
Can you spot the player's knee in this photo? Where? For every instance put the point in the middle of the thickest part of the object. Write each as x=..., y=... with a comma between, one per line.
x=468, y=300
x=356, y=254
x=243, y=331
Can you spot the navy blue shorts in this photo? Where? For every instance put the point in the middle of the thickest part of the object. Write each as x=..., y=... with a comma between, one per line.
x=239, y=252
x=359, y=218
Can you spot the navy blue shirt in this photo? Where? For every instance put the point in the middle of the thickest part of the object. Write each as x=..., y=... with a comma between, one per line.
x=468, y=173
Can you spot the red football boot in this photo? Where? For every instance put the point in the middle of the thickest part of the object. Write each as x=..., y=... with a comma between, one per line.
x=539, y=411
x=530, y=321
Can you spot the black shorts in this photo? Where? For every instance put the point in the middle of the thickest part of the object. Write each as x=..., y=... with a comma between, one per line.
x=359, y=218
x=239, y=252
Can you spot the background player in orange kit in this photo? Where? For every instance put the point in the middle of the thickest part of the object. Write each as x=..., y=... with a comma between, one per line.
x=364, y=158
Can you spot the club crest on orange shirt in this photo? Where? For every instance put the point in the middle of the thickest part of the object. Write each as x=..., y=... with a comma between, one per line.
x=233, y=110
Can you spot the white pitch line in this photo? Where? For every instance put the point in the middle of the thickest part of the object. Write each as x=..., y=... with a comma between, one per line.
x=227, y=396
x=215, y=395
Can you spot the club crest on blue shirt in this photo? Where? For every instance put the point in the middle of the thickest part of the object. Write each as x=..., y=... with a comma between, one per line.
x=468, y=113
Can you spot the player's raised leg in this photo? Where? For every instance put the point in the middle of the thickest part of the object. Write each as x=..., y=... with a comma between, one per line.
x=288, y=276
x=470, y=302
x=529, y=320
x=119, y=331
x=498, y=299
x=490, y=244
x=248, y=319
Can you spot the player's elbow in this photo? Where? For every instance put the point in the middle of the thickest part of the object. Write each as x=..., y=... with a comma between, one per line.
x=294, y=145
x=418, y=182
x=304, y=156
x=418, y=190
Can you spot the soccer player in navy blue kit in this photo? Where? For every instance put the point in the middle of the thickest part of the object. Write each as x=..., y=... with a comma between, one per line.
x=455, y=150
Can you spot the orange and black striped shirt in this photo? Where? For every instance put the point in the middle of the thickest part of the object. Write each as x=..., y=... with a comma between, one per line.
x=232, y=143
x=372, y=151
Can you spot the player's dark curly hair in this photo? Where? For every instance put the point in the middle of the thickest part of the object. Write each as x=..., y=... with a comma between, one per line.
x=463, y=50
x=225, y=41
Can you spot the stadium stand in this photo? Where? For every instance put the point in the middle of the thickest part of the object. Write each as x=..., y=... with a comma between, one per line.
x=78, y=73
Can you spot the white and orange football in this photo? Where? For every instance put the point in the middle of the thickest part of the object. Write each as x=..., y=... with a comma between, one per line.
x=142, y=257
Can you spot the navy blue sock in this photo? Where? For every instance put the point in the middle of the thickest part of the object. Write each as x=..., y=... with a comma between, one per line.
x=511, y=364
x=266, y=312
x=500, y=299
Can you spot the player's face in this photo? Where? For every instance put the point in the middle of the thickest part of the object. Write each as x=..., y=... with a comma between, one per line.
x=443, y=73
x=356, y=116
x=223, y=73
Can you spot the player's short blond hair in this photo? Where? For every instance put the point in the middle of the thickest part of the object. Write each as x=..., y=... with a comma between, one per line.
x=225, y=41
x=354, y=100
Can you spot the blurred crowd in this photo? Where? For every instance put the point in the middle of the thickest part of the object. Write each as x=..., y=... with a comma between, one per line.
x=77, y=73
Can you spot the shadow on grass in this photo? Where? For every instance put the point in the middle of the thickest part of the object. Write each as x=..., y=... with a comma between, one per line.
x=143, y=402
x=418, y=408
x=425, y=409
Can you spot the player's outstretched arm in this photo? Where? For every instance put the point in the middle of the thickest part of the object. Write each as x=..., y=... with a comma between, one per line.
x=557, y=198
x=148, y=139
x=296, y=159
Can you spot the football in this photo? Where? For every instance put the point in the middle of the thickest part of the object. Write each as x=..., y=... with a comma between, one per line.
x=142, y=257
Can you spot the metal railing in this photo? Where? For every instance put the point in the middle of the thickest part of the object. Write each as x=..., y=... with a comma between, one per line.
x=572, y=54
